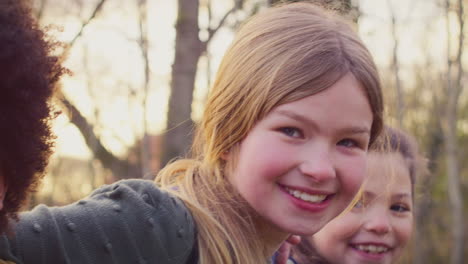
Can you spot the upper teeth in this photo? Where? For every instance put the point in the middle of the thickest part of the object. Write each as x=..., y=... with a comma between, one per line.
x=307, y=197
x=372, y=248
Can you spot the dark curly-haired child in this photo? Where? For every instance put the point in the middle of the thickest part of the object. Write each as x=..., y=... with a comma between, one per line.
x=28, y=75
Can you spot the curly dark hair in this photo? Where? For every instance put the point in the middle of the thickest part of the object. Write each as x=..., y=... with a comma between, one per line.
x=28, y=77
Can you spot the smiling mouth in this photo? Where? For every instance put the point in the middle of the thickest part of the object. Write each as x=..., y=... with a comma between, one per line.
x=307, y=197
x=371, y=249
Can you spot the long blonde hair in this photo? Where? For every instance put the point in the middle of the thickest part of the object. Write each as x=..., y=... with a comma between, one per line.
x=280, y=55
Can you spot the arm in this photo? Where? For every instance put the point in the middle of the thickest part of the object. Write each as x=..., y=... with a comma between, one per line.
x=130, y=221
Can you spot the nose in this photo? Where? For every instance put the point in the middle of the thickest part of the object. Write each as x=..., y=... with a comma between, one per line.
x=377, y=222
x=318, y=165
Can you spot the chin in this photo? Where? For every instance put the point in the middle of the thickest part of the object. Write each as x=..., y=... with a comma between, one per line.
x=302, y=229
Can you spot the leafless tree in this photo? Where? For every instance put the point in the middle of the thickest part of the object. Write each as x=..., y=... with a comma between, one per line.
x=449, y=126
x=400, y=104
x=145, y=155
x=188, y=49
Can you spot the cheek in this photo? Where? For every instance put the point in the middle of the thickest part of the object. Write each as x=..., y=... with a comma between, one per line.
x=345, y=226
x=353, y=172
x=404, y=230
x=337, y=233
x=255, y=171
x=269, y=163
x=264, y=159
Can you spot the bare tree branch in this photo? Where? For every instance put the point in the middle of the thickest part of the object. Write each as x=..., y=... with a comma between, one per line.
x=120, y=168
x=212, y=31
x=40, y=9
x=86, y=22
x=145, y=153
x=85, y=127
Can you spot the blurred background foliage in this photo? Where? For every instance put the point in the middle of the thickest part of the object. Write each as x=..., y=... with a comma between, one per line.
x=142, y=69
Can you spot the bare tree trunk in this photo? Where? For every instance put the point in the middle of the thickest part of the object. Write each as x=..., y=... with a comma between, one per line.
x=145, y=145
x=188, y=49
x=400, y=104
x=421, y=254
x=187, y=52
x=449, y=126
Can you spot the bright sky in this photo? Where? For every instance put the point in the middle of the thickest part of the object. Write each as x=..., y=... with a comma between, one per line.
x=107, y=59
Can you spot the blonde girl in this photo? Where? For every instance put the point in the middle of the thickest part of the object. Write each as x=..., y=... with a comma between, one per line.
x=281, y=149
x=379, y=226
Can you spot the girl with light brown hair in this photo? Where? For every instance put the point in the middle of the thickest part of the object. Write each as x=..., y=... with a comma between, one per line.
x=379, y=226
x=281, y=149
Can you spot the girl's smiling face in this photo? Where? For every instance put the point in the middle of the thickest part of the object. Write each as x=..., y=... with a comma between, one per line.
x=302, y=164
x=380, y=225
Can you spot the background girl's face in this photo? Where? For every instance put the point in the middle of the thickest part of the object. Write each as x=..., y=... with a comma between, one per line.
x=302, y=164
x=377, y=229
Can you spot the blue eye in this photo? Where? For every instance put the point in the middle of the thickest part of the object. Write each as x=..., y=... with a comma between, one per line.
x=291, y=132
x=349, y=143
x=399, y=208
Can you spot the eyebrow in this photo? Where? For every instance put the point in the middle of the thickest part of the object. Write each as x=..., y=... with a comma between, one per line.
x=302, y=118
x=367, y=194
x=401, y=195
x=372, y=195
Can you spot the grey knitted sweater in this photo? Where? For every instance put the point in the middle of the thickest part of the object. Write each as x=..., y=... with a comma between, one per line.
x=131, y=221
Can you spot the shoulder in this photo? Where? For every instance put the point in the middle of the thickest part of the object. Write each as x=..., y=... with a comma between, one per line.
x=126, y=222
x=130, y=197
x=143, y=202
x=149, y=210
x=141, y=193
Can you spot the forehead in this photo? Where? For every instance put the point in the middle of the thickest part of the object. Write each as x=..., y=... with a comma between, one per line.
x=343, y=102
x=387, y=173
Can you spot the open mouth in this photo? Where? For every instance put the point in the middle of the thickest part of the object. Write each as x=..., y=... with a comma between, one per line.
x=312, y=198
x=371, y=248
x=307, y=197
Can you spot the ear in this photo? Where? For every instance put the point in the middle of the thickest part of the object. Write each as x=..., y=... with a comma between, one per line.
x=232, y=152
x=226, y=155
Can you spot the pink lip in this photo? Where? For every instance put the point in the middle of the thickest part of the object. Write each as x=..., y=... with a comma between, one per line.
x=303, y=205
